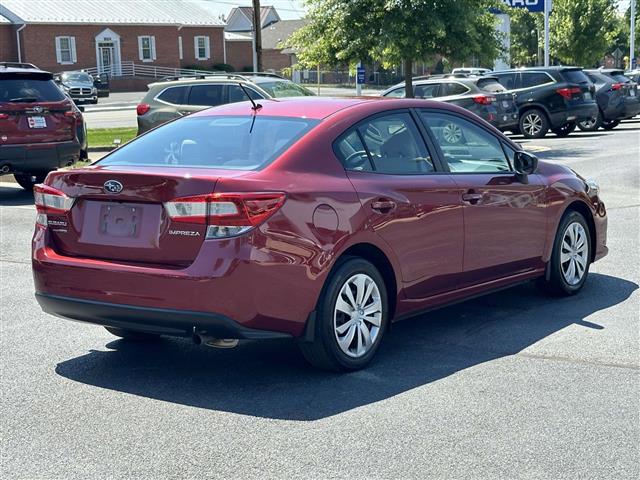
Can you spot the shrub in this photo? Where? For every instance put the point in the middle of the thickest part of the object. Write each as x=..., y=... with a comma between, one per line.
x=223, y=67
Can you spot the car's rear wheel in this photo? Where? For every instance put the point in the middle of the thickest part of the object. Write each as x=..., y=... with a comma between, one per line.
x=534, y=123
x=131, y=334
x=592, y=124
x=610, y=125
x=565, y=130
x=28, y=180
x=571, y=257
x=351, y=318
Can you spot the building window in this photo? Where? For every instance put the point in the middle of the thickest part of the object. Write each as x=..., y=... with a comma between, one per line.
x=66, y=50
x=180, y=48
x=202, y=48
x=147, y=48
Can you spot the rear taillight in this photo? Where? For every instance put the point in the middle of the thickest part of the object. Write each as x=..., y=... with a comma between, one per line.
x=568, y=92
x=4, y=116
x=142, y=108
x=225, y=214
x=484, y=99
x=50, y=201
x=616, y=86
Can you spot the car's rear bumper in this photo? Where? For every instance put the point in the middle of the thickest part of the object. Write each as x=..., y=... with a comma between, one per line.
x=574, y=113
x=631, y=107
x=39, y=157
x=182, y=323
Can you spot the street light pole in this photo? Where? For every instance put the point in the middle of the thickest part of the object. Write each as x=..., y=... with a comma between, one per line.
x=547, y=5
x=257, y=37
x=632, y=42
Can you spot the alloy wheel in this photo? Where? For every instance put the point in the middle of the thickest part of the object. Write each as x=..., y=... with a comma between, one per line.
x=532, y=124
x=574, y=252
x=357, y=315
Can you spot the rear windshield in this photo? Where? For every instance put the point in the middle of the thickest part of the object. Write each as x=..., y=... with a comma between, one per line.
x=284, y=89
x=490, y=85
x=575, y=76
x=15, y=89
x=233, y=142
x=620, y=78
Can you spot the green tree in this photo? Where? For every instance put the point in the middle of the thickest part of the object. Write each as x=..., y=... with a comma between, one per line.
x=397, y=31
x=526, y=29
x=581, y=32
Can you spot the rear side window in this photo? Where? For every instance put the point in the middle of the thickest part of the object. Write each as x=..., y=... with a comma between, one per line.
x=25, y=90
x=174, y=95
x=507, y=80
x=230, y=142
x=207, y=95
x=575, y=76
x=534, y=79
x=490, y=85
x=424, y=91
x=454, y=89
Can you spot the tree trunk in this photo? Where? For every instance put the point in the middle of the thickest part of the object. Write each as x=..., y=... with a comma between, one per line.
x=408, y=78
x=257, y=31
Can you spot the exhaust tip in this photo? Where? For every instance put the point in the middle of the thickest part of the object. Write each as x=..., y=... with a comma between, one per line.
x=214, y=342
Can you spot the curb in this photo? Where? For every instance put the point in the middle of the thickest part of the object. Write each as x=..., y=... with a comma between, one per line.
x=99, y=149
x=120, y=108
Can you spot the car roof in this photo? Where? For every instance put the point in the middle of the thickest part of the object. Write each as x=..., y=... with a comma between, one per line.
x=554, y=68
x=10, y=68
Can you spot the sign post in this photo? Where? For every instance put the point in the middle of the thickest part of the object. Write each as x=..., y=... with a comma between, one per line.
x=537, y=6
x=547, y=9
x=632, y=44
x=360, y=78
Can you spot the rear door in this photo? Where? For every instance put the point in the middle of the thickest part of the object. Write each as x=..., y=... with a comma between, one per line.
x=204, y=95
x=34, y=110
x=414, y=207
x=505, y=220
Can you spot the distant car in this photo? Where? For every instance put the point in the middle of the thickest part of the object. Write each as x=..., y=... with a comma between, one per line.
x=78, y=85
x=617, y=98
x=39, y=124
x=179, y=96
x=101, y=82
x=472, y=71
x=483, y=96
x=316, y=219
x=550, y=98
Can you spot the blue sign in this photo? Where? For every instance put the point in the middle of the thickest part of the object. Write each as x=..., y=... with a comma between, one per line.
x=360, y=76
x=531, y=5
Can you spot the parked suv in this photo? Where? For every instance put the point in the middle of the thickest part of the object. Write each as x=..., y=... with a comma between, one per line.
x=78, y=85
x=550, y=98
x=175, y=97
x=483, y=96
x=38, y=124
x=617, y=98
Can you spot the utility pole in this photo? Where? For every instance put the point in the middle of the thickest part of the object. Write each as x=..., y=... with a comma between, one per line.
x=257, y=37
x=632, y=42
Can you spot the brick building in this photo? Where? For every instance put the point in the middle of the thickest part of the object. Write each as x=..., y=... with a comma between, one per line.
x=61, y=35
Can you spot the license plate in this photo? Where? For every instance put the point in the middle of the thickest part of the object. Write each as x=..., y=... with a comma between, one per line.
x=120, y=220
x=37, y=122
x=505, y=104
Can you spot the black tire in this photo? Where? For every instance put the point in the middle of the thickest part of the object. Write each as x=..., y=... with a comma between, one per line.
x=565, y=130
x=591, y=125
x=324, y=352
x=556, y=283
x=28, y=180
x=610, y=125
x=132, y=334
x=531, y=117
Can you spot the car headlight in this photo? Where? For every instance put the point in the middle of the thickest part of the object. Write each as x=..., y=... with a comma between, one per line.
x=593, y=189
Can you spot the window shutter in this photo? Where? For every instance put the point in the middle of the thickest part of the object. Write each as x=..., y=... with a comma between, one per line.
x=206, y=48
x=140, y=48
x=153, y=47
x=195, y=47
x=181, y=56
x=58, y=53
x=72, y=46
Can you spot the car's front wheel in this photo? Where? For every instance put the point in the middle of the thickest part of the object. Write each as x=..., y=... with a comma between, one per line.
x=351, y=318
x=571, y=257
x=28, y=180
x=534, y=123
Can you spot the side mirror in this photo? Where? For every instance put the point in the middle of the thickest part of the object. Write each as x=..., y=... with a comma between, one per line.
x=524, y=164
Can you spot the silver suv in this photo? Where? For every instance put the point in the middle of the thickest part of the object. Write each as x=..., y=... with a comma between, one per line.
x=175, y=97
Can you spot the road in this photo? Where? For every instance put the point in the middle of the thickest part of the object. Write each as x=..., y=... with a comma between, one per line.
x=118, y=110
x=512, y=385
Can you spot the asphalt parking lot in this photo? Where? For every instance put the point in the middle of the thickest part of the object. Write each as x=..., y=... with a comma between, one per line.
x=511, y=385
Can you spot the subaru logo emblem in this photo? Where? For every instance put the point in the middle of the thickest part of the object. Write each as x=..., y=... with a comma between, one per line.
x=38, y=109
x=113, y=186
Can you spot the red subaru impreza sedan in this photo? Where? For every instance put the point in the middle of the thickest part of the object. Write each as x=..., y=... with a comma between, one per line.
x=319, y=219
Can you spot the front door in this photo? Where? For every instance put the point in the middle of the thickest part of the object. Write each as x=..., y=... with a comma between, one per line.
x=505, y=219
x=414, y=208
x=106, y=54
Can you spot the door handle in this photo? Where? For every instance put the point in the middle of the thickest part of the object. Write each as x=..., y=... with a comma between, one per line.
x=383, y=205
x=471, y=198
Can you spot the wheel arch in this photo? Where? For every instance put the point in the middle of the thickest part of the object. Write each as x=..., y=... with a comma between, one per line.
x=534, y=106
x=583, y=209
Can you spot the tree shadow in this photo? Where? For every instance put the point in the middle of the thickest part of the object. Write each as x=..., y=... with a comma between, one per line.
x=11, y=196
x=270, y=379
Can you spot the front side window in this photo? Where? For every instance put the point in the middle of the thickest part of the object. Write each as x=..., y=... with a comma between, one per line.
x=222, y=142
x=395, y=146
x=454, y=88
x=207, y=95
x=283, y=88
x=237, y=94
x=466, y=148
x=397, y=93
x=202, y=47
